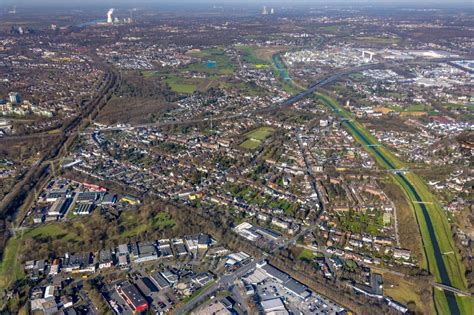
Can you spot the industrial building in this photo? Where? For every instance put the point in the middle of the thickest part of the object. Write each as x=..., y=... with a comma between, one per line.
x=133, y=297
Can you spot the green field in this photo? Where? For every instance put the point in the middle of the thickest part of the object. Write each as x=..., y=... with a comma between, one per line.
x=307, y=255
x=151, y=74
x=250, y=144
x=10, y=268
x=182, y=85
x=131, y=225
x=250, y=57
x=260, y=133
x=223, y=65
x=458, y=106
x=411, y=108
x=255, y=137
x=378, y=40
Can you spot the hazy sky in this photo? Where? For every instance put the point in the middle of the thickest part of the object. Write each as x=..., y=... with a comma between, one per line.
x=254, y=2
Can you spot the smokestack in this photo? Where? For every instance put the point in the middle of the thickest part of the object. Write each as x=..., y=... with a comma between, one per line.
x=110, y=18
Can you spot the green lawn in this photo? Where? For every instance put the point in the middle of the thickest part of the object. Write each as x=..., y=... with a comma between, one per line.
x=412, y=108
x=182, y=85
x=250, y=144
x=255, y=137
x=163, y=221
x=307, y=255
x=378, y=40
x=132, y=226
x=260, y=133
x=249, y=55
x=223, y=64
x=52, y=230
x=10, y=267
x=458, y=106
x=150, y=74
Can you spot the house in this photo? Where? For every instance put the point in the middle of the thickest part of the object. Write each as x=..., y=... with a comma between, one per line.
x=160, y=281
x=54, y=195
x=204, y=240
x=374, y=290
x=66, y=301
x=180, y=250
x=59, y=207
x=399, y=253
x=280, y=223
x=249, y=289
x=291, y=285
x=87, y=197
x=191, y=243
x=236, y=258
x=83, y=209
x=49, y=291
x=49, y=306
x=144, y=251
x=166, y=252
x=105, y=259
x=130, y=200
x=202, y=279
x=123, y=261
x=108, y=200
x=80, y=262
x=123, y=249
x=399, y=307
x=170, y=276
x=54, y=269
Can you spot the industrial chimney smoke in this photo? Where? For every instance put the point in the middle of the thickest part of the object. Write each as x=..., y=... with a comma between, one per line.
x=110, y=18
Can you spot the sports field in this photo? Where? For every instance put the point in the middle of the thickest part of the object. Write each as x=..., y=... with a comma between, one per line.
x=255, y=137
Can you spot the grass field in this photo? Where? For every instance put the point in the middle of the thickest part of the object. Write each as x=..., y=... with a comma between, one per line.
x=249, y=55
x=259, y=55
x=10, y=268
x=458, y=106
x=306, y=254
x=405, y=291
x=223, y=64
x=250, y=144
x=181, y=85
x=132, y=227
x=255, y=137
x=411, y=108
x=378, y=40
x=151, y=74
x=260, y=133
